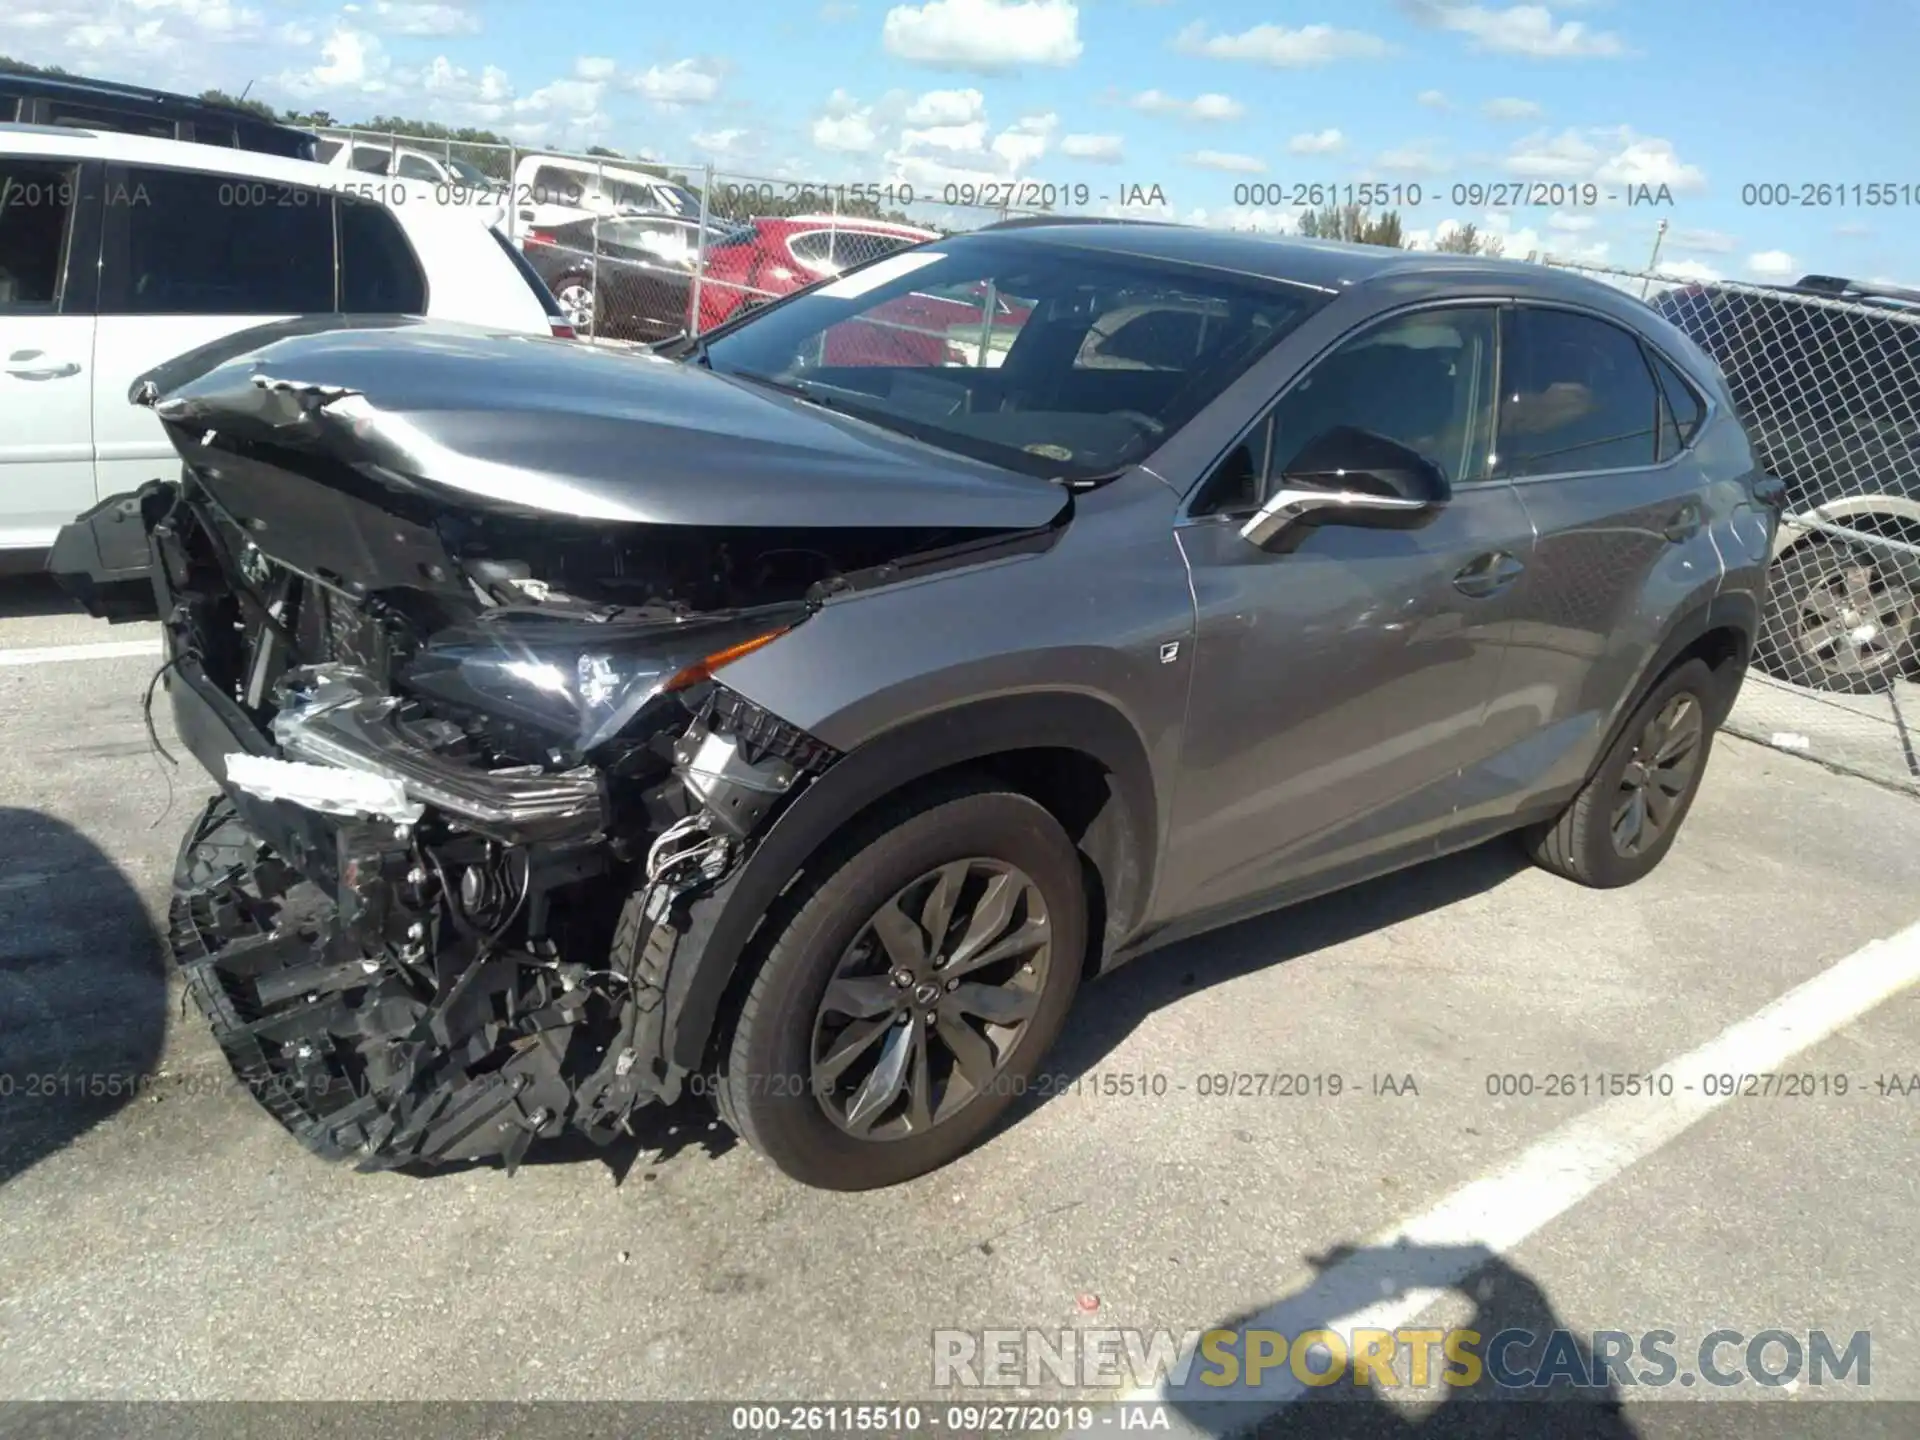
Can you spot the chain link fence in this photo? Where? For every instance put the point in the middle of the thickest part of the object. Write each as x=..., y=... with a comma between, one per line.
x=1826, y=378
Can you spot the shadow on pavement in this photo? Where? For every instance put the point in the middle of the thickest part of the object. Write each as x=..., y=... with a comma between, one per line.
x=1520, y=1336
x=31, y=592
x=1110, y=1008
x=82, y=988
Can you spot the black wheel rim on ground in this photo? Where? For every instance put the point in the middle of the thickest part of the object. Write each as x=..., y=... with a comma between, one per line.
x=931, y=999
x=1665, y=758
x=1854, y=623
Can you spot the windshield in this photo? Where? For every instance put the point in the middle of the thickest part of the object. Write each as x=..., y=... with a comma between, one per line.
x=1044, y=358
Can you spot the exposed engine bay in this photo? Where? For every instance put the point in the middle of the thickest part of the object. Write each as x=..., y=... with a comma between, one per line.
x=479, y=772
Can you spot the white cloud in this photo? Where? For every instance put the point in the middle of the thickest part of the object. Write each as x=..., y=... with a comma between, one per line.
x=1508, y=108
x=1710, y=242
x=350, y=60
x=1226, y=160
x=1696, y=270
x=414, y=17
x=1283, y=46
x=684, y=82
x=1852, y=229
x=594, y=67
x=947, y=107
x=1248, y=218
x=845, y=126
x=1099, y=149
x=835, y=11
x=984, y=35
x=565, y=97
x=1210, y=107
x=1418, y=159
x=1519, y=30
x=947, y=137
x=1571, y=223
x=1614, y=156
x=1022, y=145
x=1434, y=99
x=1772, y=264
x=718, y=142
x=1324, y=142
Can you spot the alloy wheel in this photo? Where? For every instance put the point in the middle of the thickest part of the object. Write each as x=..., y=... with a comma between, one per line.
x=576, y=300
x=931, y=999
x=1853, y=621
x=1658, y=774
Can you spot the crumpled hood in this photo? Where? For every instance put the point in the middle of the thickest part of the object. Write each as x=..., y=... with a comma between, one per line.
x=536, y=426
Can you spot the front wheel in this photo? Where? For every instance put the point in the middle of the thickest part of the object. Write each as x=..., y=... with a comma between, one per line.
x=911, y=994
x=1627, y=815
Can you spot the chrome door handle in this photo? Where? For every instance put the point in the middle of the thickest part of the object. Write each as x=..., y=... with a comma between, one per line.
x=44, y=372
x=1488, y=574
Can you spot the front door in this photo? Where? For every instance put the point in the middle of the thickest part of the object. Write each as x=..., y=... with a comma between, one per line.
x=1339, y=685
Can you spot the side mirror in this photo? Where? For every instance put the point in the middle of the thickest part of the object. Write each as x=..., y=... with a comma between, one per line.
x=1348, y=476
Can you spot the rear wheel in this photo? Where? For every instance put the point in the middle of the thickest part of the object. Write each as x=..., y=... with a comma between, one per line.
x=1626, y=817
x=575, y=294
x=1838, y=619
x=911, y=993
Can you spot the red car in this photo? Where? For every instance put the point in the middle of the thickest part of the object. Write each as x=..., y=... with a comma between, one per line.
x=767, y=258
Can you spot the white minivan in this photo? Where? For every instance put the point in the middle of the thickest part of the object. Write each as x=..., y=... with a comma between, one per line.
x=118, y=252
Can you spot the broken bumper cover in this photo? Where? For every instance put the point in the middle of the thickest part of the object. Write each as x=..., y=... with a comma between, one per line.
x=342, y=1051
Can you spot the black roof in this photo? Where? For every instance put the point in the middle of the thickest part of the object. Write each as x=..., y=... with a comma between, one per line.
x=82, y=88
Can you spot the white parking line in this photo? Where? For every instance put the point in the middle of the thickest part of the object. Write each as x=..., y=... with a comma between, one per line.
x=96, y=650
x=1394, y=1278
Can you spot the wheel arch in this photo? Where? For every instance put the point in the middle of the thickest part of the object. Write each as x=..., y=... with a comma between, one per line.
x=1075, y=754
x=1721, y=631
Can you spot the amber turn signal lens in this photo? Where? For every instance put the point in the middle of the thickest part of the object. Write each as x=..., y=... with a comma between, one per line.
x=703, y=669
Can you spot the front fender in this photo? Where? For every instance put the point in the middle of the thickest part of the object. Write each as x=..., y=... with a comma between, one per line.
x=724, y=922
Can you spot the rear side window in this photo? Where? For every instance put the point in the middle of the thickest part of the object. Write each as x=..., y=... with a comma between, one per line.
x=378, y=271
x=416, y=167
x=1575, y=395
x=181, y=242
x=90, y=117
x=1681, y=409
x=36, y=216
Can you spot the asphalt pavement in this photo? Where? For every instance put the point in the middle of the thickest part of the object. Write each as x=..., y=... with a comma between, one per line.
x=162, y=1238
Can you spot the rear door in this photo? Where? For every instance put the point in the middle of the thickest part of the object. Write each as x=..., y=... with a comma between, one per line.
x=189, y=256
x=1620, y=505
x=46, y=346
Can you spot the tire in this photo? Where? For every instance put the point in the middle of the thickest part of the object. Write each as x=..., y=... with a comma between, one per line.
x=580, y=309
x=1581, y=844
x=1836, y=621
x=777, y=1084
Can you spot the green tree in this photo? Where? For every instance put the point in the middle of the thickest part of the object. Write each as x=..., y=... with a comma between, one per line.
x=240, y=102
x=1470, y=240
x=11, y=66
x=1356, y=224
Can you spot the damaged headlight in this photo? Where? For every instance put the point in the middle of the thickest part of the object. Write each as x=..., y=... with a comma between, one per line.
x=576, y=684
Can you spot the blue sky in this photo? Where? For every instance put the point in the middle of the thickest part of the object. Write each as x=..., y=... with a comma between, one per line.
x=1195, y=97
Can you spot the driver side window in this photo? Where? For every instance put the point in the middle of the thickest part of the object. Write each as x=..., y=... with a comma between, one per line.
x=1424, y=380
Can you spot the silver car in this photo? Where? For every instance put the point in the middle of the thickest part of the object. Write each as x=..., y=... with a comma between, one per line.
x=797, y=718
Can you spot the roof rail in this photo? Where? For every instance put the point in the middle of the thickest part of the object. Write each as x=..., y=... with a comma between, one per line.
x=1842, y=288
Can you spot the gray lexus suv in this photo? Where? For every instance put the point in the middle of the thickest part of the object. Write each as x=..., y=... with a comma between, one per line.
x=797, y=715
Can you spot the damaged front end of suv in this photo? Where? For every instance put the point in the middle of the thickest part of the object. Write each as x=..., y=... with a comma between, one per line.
x=448, y=616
